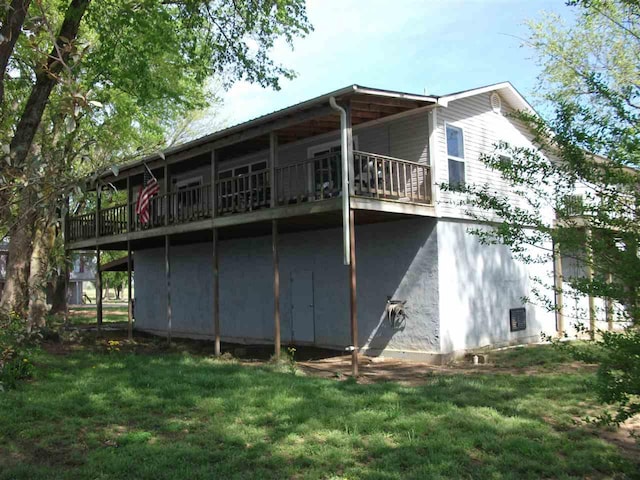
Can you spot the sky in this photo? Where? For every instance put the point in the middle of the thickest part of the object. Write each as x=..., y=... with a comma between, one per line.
x=417, y=46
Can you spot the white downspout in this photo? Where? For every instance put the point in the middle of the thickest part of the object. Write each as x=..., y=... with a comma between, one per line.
x=344, y=143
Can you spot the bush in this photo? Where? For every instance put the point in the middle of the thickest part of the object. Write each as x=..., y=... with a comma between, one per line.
x=15, y=346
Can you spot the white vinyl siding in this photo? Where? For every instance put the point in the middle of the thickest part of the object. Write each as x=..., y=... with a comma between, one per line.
x=482, y=130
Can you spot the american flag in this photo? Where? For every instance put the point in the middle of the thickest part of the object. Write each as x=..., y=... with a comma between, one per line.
x=149, y=188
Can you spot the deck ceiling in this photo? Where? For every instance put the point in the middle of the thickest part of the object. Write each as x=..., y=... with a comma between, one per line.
x=364, y=108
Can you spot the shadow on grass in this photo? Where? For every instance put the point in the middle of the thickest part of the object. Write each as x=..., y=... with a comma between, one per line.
x=92, y=415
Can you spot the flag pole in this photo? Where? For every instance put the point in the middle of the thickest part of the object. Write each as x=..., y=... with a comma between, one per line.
x=150, y=172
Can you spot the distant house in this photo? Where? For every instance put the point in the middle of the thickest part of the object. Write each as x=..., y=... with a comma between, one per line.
x=249, y=236
x=83, y=270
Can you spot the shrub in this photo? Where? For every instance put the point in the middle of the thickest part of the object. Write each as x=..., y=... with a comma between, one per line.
x=16, y=343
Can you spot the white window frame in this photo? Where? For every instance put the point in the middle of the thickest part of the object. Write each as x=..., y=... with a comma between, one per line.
x=186, y=181
x=311, y=151
x=453, y=157
x=250, y=165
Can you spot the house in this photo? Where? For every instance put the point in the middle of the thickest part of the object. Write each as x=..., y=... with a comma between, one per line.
x=83, y=271
x=323, y=224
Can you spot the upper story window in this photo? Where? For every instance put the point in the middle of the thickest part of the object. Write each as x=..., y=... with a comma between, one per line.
x=455, y=154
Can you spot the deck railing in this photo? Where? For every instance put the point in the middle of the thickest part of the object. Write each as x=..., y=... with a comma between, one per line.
x=314, y=179
x=81, y=227
x=243, y=193
x=391, y=178
x=113, y=220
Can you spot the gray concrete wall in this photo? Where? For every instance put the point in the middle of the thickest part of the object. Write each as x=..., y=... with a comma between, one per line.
x=396, y=259
x=478, y=285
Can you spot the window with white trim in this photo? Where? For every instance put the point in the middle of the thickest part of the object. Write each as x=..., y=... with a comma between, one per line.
x=455, y=155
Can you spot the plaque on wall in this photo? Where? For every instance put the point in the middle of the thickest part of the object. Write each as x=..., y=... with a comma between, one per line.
x=517, y=319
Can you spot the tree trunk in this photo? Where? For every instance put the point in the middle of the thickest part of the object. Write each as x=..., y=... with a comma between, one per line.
x=44, y=237
x=46, y=79
x=9, y=32
x=59, y=295
x=15, y=296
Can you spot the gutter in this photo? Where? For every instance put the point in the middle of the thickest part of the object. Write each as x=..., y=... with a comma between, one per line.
x=344, y=143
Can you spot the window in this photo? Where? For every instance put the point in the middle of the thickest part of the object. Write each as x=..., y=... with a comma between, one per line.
x=455, y=154
x=188, y=198
x=327, y=169
x=243, y=187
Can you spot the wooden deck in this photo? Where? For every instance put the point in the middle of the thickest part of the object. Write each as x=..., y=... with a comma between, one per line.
x=313, y=185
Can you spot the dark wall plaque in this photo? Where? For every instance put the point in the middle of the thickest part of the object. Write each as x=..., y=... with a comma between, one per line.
x=517, y=319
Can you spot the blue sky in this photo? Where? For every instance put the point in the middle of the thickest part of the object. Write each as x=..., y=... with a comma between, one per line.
x=440, y=46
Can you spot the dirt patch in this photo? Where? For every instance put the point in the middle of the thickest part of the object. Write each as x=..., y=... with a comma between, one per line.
x=417, y=373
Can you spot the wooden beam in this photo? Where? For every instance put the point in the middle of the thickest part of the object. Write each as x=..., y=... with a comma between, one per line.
x=167, y=266
x=273, y=163
x=558, y=284
x=216, y=293
x=98, y=291
x=214, y=187
x=129, y=299
x=349, y=159
x=276, y=288
x=353, y=297
x=166, y=192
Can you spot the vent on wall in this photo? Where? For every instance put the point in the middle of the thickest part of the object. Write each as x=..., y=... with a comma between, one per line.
x=496, y=103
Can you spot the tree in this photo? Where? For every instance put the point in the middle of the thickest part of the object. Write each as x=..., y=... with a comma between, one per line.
x=116, y=77
x=579, y=190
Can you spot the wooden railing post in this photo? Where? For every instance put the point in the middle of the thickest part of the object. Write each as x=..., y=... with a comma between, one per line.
x=273, y=163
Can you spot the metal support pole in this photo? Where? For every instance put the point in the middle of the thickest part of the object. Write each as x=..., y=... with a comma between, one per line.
x=98, y=290
x=129, y=299
x=353, y=296
x=216, y=293
x=557, y=271
x=276, y=288
x=167, y=265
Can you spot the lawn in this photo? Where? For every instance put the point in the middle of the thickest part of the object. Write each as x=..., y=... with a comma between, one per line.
x=87, y=315
x=90, y=413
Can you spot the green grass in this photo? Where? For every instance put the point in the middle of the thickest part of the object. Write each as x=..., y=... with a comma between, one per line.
x=88, y=315
x=92, y=414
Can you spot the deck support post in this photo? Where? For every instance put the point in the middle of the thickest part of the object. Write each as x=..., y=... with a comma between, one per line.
x=129, y=299
x=353, y=296
x=348, y=221
x=215, y=257
x=276, y=288
x=558, y=280
x=98, y=290
x=216, y=293
x=167, y=266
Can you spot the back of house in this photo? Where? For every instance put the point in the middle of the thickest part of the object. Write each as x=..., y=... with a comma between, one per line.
x=248, y=238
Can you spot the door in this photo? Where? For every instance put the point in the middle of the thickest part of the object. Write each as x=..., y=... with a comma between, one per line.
x=302, y=310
